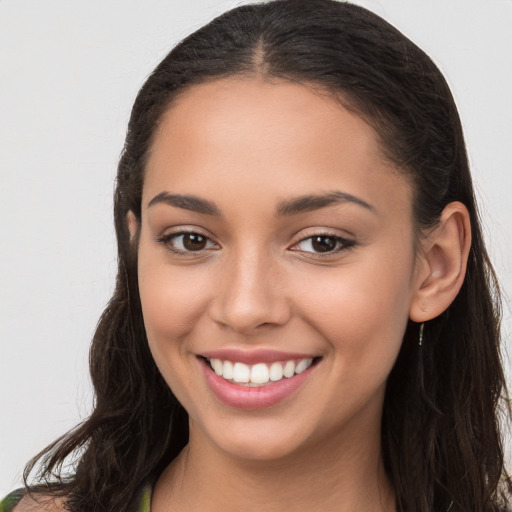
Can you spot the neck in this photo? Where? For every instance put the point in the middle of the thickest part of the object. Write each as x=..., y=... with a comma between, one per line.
x=345, y=476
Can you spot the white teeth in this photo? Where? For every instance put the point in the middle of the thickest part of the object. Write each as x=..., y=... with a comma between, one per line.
x=276, y=372
x=217, y=366
x=241, y=372
x=227, y=370
x=260, y=373
x=289, y=369
x=303, y=365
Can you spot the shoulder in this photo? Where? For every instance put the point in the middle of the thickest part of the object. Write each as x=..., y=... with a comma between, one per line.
x=21, y=501
x=40, y=504
x=39, y=500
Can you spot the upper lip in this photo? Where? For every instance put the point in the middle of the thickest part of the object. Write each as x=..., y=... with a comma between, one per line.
x=254, y=356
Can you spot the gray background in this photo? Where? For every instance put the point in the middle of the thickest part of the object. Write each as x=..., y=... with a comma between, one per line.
x=69, y=72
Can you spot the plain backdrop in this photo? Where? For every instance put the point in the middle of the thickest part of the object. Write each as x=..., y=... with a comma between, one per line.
x=69, y=72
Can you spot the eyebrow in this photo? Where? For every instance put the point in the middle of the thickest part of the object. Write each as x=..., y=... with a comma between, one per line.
x=315, y=202
x=295, y=206
x=186, y=202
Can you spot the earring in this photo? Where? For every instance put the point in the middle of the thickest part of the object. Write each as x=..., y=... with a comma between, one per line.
x=422, y=326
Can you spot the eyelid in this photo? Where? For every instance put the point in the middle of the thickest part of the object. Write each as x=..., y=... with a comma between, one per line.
x=343, y=243
x=346, y=243
x=166, y=238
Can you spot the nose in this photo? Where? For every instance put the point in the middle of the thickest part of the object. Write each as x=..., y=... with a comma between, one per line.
x=251, y=295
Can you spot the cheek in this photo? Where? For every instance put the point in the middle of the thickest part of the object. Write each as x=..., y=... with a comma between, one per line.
x=362, y=311
x=173, y=299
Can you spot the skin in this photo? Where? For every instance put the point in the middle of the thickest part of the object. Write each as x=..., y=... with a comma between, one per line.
x=247, y=145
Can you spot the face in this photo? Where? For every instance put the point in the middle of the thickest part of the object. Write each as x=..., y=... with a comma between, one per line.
x=276, y=249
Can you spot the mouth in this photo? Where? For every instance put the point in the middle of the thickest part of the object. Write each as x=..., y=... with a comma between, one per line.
x=259, y=374
x=257, y=381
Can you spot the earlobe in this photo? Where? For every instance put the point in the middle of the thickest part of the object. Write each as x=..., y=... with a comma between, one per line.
x=132, y=224
x=442, y=264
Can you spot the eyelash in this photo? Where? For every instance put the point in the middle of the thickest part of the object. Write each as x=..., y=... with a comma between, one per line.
x=341, y=244
x=167, y=239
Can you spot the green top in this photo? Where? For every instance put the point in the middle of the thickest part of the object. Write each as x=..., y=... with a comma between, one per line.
x=12, y=499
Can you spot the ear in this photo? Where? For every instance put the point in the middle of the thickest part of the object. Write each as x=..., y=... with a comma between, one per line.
x=132, y=224
x=441, y=264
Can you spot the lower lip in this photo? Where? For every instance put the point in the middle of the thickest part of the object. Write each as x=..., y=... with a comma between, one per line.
x=244, y=397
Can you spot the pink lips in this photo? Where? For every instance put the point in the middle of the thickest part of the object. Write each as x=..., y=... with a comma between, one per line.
x=245, y=397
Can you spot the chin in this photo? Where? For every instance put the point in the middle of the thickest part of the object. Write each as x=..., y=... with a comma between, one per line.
x=255, y=440
x=259, y=450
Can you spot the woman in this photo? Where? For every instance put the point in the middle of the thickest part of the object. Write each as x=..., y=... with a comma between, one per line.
x=304, y=305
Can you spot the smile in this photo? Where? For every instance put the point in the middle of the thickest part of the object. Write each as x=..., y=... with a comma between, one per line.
x=258, y=379
x=258, y=374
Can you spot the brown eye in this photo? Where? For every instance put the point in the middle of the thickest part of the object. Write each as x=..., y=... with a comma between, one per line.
x=323, y=243
x=194, y=242
x=187, y=242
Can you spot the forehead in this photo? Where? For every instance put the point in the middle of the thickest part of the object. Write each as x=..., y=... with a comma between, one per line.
x=278, y=136
x=260, y=114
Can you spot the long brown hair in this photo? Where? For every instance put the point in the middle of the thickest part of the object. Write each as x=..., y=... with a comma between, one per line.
x=440, y=433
